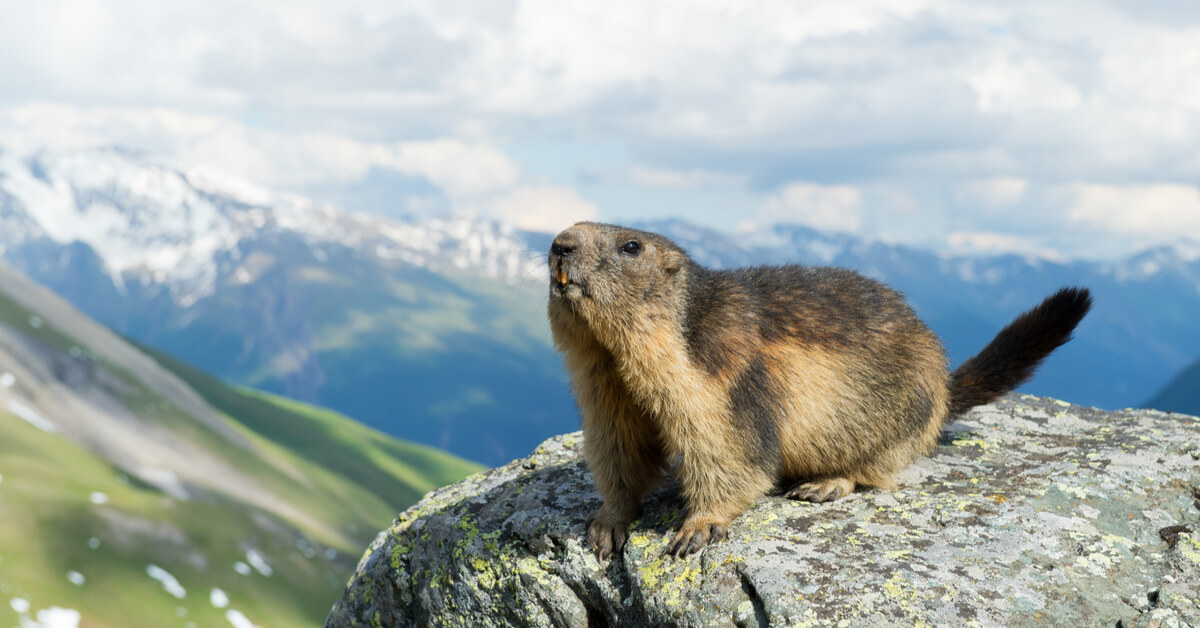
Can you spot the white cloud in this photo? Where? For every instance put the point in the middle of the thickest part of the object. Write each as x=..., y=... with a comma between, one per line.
x=682, y=179
x=1009, y=83
x=544, y=208
x=833, y=207
x=996, y=191
x=460, y=168
x=989, y=104
x=1151, y=211
x=991, y=242
x=276, y=159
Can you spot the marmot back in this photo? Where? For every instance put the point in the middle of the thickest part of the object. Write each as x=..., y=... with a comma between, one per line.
x=737, y=380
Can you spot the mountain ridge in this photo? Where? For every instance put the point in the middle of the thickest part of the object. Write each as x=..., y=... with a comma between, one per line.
x=435, y=330
x=1181, y=394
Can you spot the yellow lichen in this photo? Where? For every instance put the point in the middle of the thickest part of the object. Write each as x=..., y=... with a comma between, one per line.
x=487, y=577
x=651, y=572
x=398, y=550
x=977, y=442
x=1076, y=491
x=900, y=589
x=1113, y=540
x=531, y=567
x=1189, y=546
x=688, y=575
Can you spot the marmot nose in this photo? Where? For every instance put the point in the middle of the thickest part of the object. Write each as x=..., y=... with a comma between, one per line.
x=564, y=244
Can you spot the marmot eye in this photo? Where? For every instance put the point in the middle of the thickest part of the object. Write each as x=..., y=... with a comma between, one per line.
x=632, y=247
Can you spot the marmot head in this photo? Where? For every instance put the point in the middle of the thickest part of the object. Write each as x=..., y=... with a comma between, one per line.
x=611, y=270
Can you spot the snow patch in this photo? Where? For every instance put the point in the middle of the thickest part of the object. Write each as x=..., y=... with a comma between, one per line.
x=20, y=605
x=76, y=578
x=218, y=598
x=53, y=617
x=164, y=480
x=242, y=568
x=238, y=619
x=170, y=584
x=98, y=498
x=217, y=182
x=7, y=380
x=257, y=561
x=29, y=415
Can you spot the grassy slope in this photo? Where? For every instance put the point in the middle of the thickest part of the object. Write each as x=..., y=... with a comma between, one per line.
x=47, y=520
x=398, y=472
x=347, y=480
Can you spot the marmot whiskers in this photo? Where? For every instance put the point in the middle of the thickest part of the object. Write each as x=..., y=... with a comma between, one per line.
x=737, y=380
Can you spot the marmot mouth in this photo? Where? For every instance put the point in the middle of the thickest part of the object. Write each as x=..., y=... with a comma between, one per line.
x=561, y=285
x=561, y=282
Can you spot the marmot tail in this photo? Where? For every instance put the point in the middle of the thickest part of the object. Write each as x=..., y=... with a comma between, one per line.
x=1014, y=354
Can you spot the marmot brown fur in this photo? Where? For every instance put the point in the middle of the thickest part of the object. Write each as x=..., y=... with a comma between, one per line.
x=735, y=381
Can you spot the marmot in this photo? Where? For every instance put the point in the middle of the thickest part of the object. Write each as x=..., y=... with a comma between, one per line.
x=736, y=381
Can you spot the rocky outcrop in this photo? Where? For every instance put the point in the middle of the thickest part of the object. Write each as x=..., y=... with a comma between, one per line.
x=1032, y=511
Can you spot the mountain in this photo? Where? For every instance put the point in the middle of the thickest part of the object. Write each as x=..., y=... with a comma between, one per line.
x=1182, y=394
x=434, y=330
x=416, y=329
x=138, y=491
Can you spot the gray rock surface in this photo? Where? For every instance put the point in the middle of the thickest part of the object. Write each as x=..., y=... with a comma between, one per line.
x=1031, y=512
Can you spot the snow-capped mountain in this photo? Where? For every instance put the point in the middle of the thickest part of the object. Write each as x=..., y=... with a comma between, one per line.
x=155, y=222
x=395, y=322
x=1181, y=259
x=434, y=330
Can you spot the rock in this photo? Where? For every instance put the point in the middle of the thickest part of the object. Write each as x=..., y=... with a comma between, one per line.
x=1032, y=511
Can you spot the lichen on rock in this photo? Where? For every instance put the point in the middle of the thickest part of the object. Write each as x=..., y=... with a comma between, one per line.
x=1031, y=511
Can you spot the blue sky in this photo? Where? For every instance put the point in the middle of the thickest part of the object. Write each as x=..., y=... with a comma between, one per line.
x=1065, y=129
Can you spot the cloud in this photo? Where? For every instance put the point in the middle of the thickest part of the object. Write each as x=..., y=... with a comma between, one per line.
x=997, y=191
x=991, y=242
x=680, y=179
x=545, y=208
x=278, y=159
x=982, y=112
x=832, y=207
x=1145, y=212
x=463, y=169
x=1008, y=83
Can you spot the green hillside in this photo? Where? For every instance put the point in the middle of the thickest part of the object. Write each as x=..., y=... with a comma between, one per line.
x=137, y=495
x=396, y=471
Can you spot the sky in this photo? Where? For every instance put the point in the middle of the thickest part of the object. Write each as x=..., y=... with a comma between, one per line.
x=1064, y=129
